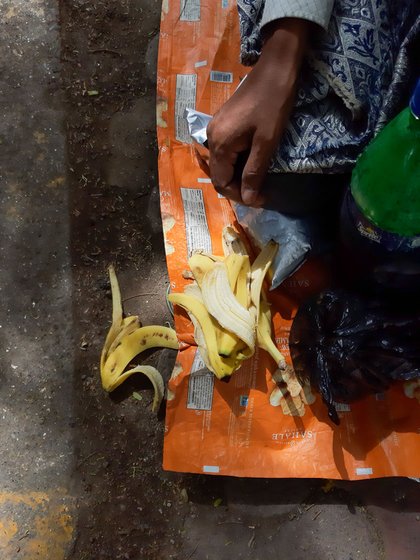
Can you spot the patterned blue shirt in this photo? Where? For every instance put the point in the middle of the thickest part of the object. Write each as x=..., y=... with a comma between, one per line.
x=358, y=74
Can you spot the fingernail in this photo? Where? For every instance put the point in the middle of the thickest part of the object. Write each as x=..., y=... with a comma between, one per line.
x=249, y=196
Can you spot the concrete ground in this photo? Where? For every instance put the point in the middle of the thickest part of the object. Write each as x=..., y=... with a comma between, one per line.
x=80, y=472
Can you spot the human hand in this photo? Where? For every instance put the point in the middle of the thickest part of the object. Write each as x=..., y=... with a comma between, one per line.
x=243, y=135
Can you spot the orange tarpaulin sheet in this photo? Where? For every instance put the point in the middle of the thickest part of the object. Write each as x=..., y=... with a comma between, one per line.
x=242, y=428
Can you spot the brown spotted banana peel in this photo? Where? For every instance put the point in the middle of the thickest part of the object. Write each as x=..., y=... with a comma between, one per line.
x=125, y=340
x=153, y=336
x=200, y=264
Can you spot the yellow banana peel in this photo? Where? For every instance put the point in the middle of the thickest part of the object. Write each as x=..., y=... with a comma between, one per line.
x=227, y=305
x=264, y=335
x=219, y=365
x=126, y=339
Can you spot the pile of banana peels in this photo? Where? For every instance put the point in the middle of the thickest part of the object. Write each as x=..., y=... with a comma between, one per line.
x=227, y=305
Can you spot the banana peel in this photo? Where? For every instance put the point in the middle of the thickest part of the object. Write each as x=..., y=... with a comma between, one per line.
x=126, y=339
x=154, y=336
x=242, y=291
x=154, y=376
x=117, y=314
x=222, y=304
x=232, y=242
x=227, y=305
x=228, y=341
x=264, y=335
x=200, y=264
x=219, y=365
x=259, y=269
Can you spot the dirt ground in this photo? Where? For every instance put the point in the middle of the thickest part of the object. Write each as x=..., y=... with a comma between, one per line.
x=123, y=506
x=129, y=507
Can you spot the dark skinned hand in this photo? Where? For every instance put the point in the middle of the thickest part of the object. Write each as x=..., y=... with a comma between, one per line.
x=245, y=132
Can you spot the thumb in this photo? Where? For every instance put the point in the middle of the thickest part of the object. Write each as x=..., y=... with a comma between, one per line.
x=255, y=169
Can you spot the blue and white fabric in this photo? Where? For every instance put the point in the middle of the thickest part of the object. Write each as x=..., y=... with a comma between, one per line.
x=357, y=75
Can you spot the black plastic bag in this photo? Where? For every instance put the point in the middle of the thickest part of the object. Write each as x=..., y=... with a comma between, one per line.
x=348, y=347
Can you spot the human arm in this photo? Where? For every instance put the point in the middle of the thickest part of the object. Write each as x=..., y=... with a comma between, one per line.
x=245, y=132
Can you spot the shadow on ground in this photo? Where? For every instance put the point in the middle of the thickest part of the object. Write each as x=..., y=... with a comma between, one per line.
x=127, y=507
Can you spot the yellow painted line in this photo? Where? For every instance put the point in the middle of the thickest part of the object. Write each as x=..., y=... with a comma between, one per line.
x=36, y=525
